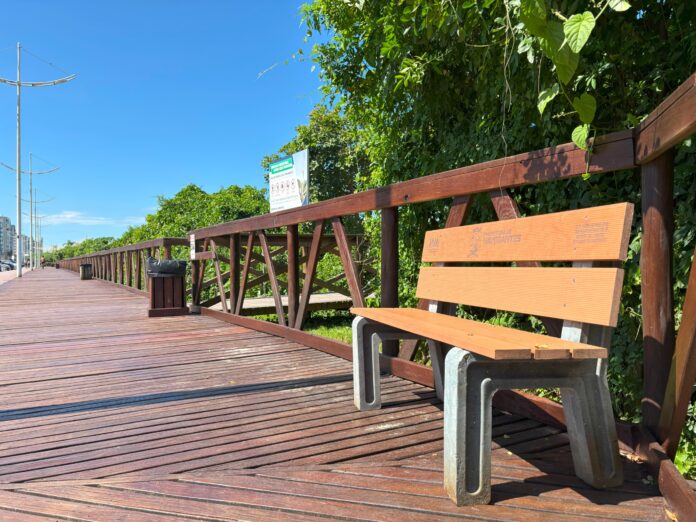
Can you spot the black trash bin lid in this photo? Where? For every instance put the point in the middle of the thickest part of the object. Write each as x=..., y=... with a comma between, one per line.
x=165, y=267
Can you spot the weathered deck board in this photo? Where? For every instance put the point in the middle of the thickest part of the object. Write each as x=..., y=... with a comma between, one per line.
x=108, y=415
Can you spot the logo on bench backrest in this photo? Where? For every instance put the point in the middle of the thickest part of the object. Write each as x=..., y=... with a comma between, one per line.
x=591, y=232
x=434, y=243
x=475, y=241
x=501, y=237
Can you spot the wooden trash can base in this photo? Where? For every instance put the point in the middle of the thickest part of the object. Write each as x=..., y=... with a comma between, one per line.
x=167, y=296
x=167, y=312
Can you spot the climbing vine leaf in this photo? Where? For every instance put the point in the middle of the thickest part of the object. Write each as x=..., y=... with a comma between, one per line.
x=577, y=30
x=580, y=135
x=586, y=105
x=546, y=96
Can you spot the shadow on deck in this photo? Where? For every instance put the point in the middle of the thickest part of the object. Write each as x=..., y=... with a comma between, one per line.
x=108, y=415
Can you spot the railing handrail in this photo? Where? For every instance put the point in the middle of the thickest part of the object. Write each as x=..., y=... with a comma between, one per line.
x=611, y=152
x=673, y=121
x=153, y=243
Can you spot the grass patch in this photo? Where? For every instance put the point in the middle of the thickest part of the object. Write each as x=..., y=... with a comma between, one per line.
x=338, y=333
x=333, y=325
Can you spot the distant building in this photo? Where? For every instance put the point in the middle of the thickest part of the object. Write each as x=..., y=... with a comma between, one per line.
x=13, y=242
x=25, y=247
x=6, y=237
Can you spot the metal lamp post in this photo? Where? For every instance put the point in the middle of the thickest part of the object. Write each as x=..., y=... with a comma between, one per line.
x=19, y=84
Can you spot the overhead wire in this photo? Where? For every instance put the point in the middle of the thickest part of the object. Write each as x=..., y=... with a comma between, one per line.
x=36, y=156
x=47, y=62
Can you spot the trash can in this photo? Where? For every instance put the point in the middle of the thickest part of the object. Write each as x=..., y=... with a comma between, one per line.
x=167, y=287
x=86, y=271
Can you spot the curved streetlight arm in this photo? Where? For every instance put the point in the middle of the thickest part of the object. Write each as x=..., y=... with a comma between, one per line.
x=50, y=83
x=30, y=172
x=38, y=202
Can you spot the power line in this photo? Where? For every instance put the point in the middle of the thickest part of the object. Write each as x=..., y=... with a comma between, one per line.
x=44, y=160
x=47, y=62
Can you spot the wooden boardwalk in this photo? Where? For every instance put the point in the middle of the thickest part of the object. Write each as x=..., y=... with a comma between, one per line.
x=106, y=415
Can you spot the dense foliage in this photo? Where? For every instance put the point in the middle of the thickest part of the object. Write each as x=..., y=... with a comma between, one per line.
x=188, y=209
x=435, y=84
x=73, y=249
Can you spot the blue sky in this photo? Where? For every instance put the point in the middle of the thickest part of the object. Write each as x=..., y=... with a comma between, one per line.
x=167, y=93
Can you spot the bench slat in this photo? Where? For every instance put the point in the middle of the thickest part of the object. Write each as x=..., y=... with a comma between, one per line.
x=592, y=234
x=496, y=342
x=586, y=295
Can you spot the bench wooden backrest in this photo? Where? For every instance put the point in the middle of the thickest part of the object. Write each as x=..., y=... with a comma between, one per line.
x=583, y=294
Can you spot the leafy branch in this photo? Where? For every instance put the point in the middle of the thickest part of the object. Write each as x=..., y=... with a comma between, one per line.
x=562, y=43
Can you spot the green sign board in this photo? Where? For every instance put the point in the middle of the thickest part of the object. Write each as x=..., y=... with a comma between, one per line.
x=288, y=180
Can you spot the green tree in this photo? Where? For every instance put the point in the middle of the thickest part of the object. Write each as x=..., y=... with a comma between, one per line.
x=72, y=249
x=193, y=208
x=187, y=210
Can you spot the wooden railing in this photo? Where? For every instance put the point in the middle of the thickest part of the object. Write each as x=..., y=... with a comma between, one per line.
x=125, y=265
x=648, y=148
x=610, y=153
x=259, y=270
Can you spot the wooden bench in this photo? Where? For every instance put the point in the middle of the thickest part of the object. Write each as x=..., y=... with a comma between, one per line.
x=585, y=296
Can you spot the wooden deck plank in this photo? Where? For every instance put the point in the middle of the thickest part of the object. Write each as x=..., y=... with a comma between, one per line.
x=109, y=415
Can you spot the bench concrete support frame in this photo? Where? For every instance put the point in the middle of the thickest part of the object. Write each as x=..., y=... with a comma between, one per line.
x=471, y=381
x=468, y=384
x=367, y=337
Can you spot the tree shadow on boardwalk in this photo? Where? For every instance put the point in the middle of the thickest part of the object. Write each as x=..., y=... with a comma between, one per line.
x=164, y=397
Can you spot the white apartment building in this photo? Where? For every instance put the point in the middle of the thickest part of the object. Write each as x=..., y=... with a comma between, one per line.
x=6, y=238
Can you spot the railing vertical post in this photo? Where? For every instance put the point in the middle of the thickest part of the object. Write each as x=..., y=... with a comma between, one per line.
x=167, y=251
x=195, y=278
x=235, y=248
x=122, y=267
x=389, y=275
x=656, y=283
x=138, y=269
x=129, y=267
x=293, y=275
x=114, y=268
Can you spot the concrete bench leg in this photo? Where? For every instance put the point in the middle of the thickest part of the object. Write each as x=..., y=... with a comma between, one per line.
x=366, y=381
x=592, y=429
x=468, y=428
x=367, y=338
x=471, y=381
x=437, y=360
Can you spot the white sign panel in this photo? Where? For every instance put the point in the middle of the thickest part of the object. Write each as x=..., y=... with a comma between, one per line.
x=289, y=182
x=192, y=242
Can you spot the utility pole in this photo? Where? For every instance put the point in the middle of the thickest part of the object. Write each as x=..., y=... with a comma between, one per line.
x=19, y=84
x=32, y=207
x=20, y=257
x=31, y=217
x=39, y=241
x=32, y=203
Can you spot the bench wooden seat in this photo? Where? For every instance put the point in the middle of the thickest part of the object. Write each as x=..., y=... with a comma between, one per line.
x=472, y=360
x=495, y=342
